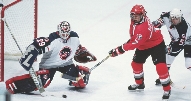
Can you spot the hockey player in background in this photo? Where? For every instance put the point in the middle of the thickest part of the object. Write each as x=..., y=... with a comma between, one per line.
x=59, y=50
x=180, y=34
x=147, y=41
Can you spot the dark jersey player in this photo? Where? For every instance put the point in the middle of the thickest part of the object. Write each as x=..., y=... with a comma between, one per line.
x=180, y=34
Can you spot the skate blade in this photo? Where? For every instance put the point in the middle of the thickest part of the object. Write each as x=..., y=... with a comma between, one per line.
x=158, y=84
x=136, y=90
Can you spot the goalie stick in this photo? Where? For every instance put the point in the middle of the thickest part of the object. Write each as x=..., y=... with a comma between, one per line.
x=32, y=73
x=48, y=93
x=99, y=63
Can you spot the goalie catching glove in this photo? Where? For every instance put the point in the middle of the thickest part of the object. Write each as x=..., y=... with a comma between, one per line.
x=83, y=55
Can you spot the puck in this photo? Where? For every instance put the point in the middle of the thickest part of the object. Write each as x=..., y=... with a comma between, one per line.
x=64, y=96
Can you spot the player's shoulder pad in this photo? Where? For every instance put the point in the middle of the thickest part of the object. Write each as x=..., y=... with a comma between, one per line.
x=183, y=26
x=73, y=34
x=53, y=36
x=183, y=21
x=165, y=14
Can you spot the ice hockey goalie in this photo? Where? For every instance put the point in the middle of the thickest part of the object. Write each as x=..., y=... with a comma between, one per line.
x=25, y=84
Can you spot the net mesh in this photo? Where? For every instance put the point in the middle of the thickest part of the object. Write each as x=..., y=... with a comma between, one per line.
x=20, y=21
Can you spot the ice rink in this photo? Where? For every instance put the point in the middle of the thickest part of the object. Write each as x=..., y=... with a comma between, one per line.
x=103, y=25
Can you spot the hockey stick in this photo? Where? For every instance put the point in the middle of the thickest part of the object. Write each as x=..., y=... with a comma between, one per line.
x=32, y=73
x=99, y=63
x=176, y=86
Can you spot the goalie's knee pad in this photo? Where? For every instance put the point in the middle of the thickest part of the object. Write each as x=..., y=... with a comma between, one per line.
x=25, y=84
x=82, y=82
x=83, y=69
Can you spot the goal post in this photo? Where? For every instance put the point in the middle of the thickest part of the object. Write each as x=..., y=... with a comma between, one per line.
x=18, y=23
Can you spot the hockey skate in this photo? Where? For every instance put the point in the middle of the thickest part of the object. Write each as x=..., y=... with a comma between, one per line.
x=157, y=82
x=136, y=87
x=166, y=95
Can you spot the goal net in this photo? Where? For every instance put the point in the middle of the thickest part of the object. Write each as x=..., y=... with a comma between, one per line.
x=18, y=28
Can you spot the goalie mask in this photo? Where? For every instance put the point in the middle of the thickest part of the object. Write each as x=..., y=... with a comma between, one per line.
x=64, y=30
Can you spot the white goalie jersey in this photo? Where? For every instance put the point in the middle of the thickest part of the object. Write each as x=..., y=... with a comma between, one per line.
x=56, y=52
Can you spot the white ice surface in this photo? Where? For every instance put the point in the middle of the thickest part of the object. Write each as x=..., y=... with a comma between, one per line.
x=103, y=25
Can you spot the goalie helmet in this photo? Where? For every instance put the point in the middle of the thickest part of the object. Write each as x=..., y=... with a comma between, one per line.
x=176, y=13
x=64, y=30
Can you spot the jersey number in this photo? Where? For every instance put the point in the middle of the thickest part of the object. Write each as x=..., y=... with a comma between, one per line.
x=182, y=40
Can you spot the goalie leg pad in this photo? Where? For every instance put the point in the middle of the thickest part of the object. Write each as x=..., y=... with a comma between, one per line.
x=84, y=81
x=20, y=84
x=72, y=72
x=24, y=83
x=79, y=84
x=45, y=77
x=84, y=70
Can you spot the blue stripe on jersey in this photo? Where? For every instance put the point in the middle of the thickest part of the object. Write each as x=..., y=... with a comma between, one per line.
x=55, y=35
x=41, y=42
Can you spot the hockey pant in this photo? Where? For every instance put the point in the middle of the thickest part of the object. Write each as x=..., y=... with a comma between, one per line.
x=161, y=69
x=173, y=50
x=25, y=84
x=74, y=72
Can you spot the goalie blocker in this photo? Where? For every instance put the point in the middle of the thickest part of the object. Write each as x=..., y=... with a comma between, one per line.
x=25, y=84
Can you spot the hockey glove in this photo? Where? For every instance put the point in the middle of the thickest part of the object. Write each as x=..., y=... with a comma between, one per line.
x=82, y=55
x=117, y=51
x=158, y=23
x=168, y=49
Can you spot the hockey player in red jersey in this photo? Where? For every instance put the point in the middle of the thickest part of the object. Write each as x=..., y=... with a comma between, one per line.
x=58, y=50
x=147, y=41
x=180, y=34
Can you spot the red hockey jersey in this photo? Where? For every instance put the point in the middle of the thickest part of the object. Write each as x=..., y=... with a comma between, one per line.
x=143, y=36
